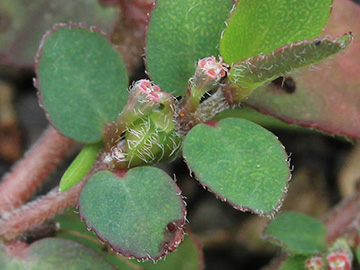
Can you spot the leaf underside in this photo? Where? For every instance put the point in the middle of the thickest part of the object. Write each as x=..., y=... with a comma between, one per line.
x=24, y=22
x=140, y=215
x=326, y=97
x=260, y=27
x=180, y=33
x=297, y=233
x=258, y=70
x=82, y=87
x=240, y=162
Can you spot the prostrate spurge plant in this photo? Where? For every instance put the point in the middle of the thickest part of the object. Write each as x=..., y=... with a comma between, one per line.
x=137, y=208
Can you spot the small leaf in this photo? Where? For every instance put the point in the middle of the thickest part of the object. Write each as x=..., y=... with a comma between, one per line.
x=260, y=27
x=180, y=33
x=241, y=162
x=80, y=166
x=82, y=87
x=294, y=263
x=297, y=233
x=54, y=254
x=258, y=70
x=24, y=22
x=140, y=215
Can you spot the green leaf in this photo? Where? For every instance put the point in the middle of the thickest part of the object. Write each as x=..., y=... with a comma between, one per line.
x=180, y=33
x=326, y=97
x=24, y=22
x=80, y=166
x=240, y=162
x=294, y=263
x=297, y=233
x=260, y=27
x=258, y=70
x=54, y=254
x=188, y=255
x=140, y=215
x=82, y=81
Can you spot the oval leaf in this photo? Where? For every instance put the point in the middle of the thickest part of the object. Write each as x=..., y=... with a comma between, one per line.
x=140, y=215
x=326, y=97
x=80, y=166
x=82, y=87
x=24, y=22
x=180, y=33
x=297, y=233
x=260, y=27
x=241, y=162
x=54, y=254
x=258, y=70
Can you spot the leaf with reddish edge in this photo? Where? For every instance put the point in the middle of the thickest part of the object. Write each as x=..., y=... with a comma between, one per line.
x=241, y=162
x=24, y=22
x=81, y=87
x=326, y=98
x=141, y=214
x=187, y=256
x=260, y=27
x=52, y=254
x=297, y=233
x=260, y=69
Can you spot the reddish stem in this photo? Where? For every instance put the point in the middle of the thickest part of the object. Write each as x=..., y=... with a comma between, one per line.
x=344, y=219
x=129, y=32
x=29, y=173
x=36, y=212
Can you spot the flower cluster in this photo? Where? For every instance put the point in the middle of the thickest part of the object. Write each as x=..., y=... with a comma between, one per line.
x=214, y=70
x=208, y=73
x=338, y=261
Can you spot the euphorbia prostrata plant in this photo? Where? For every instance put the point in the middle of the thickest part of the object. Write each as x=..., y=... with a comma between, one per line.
x=202, y=57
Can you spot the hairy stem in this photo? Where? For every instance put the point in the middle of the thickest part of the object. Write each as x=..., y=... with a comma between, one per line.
x=29, y=173
x=34, y=213
x=344, y=219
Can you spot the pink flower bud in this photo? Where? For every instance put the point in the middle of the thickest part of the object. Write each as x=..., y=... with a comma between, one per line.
x=156, y=88
x=153, y=97
x=338, y=261
x=213, y=69
x=145, y=89
x=143, y=86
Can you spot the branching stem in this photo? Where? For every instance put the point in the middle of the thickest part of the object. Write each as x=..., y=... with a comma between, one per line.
x=29, y=173
x=34, y=213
